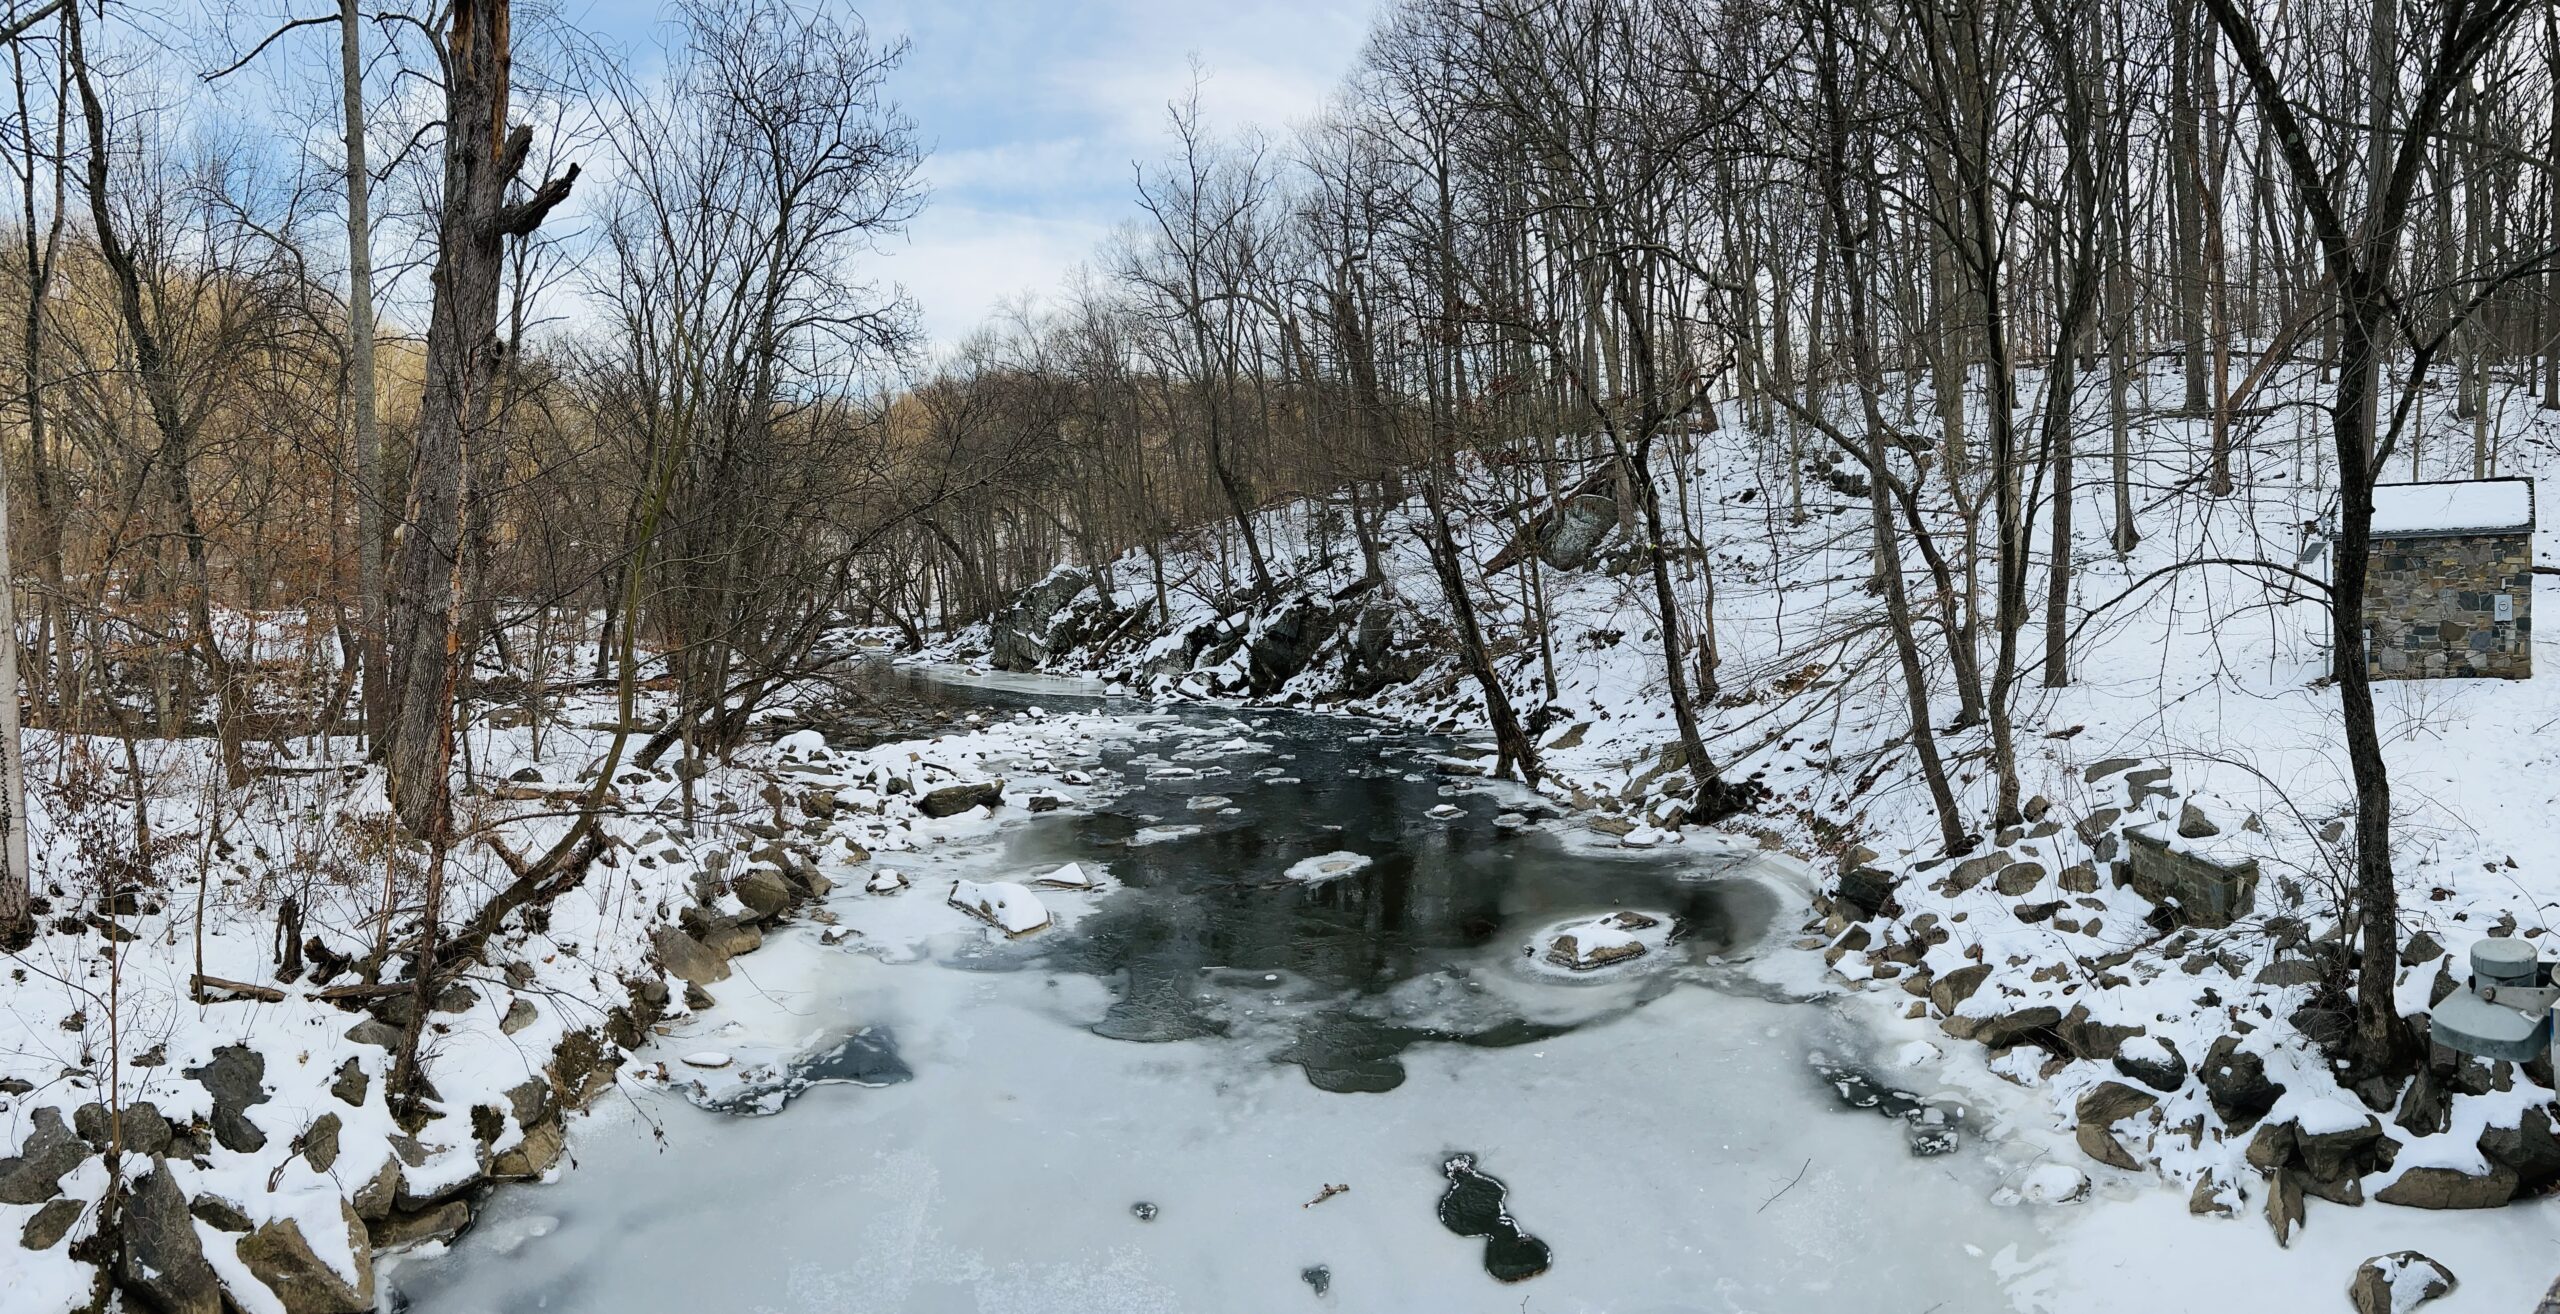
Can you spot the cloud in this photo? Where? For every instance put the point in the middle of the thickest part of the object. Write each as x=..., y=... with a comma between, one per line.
x=962, y=263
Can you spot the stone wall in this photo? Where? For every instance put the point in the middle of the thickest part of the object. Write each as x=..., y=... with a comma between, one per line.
x=2207, y=892
x=2431, y=606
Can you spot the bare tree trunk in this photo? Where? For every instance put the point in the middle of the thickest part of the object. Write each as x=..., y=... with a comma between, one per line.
x=360, y=380
x=482, y=156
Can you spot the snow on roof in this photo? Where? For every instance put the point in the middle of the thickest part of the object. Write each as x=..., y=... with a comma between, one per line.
x=2452, y=507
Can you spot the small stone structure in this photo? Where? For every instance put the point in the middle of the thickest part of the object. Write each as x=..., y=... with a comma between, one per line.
x=2208, y=893
x=2449, y=580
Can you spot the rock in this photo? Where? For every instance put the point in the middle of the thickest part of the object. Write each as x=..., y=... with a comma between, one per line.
x=2036, y=808
x=2284, y=1204
x=732, y=938
x=2012, y=1028
x=144, y=1131
x=2097, y=771
x=1001, y=904
x=2450, y=1188
x=951, y=800
x=1287, y=643
x=2094, y=1040
x=2194, y=824
x=375, y=1032
x=1866, y=889
x=278, y=1255
x=379, y=1194
x=236, y=1079
x=520, y=1014
x=2336, y=1156
x=2152, y=1060
x=2018, y=877
x=1577, y=530
x=2236, y=1082
x=1970, y=872
x=2053, y=1184
x=320, y=1142
x=220, y=1214
x=1143, y=1211
x=1957, y=986
x=161, y=1260
x=441, y=1223
x=350, y=1084
x=2290, y=972
x=34, y=1174
x=2427, y=1108
x=764, y=892
x=2421, y=950
x=2215, y=1196
x=2528, y=1148
x=2397, y=1283
x=689, y=960
x=2078, y=878
x=2097, y=823
x=530, y=1158
x=2272, y=1147
x=50, y=1224
x=2104, y=1105
x=1318, y=1277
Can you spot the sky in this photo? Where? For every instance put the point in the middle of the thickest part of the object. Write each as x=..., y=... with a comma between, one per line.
x=1033, y=113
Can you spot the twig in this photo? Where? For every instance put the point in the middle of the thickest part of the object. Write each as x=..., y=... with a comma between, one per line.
x=1327, y=1193
x=263, y=994
x=1791, y=1185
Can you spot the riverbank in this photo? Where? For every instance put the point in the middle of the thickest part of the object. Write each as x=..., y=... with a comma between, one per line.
x=156, y=1063
x=2196, y=724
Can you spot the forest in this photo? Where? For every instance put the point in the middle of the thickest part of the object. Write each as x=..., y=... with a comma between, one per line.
x=1881, y=430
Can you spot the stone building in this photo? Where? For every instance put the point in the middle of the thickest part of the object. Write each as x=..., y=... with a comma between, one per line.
x=2449, y=582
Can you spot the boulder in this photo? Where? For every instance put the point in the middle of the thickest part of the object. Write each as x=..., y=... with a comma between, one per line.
x=1286, y=644
x=440, y=1223
x=161, y=1260
x=34, y=1174
x=2215, y=1196
x=350, y=1083
x=2104, y=1105
x=520, y=1014
x=2094, y=1040
x=1577, y=530
x=320, y=1142
x=732, y=938
x=236, y=1080
x=1957, y=986
x=220, y=1214
x=689, y=960
x=144, y=1132
x=2013, y=1028
x=2335, y=1156
x=951, y=800
x=764, y=892
x=2194, y=824
x=2528, y=1148
x=2450, y=1188
x=376, y=1196
x=2397, y=1283
x=50, y=1224
x=2018, y=877
x=2284, y=1204
x=278, y=1255
x=2152, y=1060
x=2236, y=1081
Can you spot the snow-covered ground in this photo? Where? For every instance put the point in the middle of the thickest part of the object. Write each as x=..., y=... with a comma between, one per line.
x=267, y=1106
x=2202, y=674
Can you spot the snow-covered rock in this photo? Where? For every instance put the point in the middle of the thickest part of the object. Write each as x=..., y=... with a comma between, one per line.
x=1605, y=941
x=1001, y=904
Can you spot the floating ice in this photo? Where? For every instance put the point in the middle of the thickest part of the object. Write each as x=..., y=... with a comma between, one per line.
x=1147, y=835
x=1446, y=812
x=1073, y=876
x=1327, y=866
x=706, y=1058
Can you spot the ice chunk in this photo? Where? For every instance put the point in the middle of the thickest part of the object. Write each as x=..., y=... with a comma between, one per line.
x=1070, y=877
x=887, y=880
x=2053, y=1184
x=1328, y=866
x=1208, y=802
x=1147, y=835
x=1001, y=904
x=1446, y=812
x=706, y=1058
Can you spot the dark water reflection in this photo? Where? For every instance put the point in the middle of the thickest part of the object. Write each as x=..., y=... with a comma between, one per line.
x=1206, y=927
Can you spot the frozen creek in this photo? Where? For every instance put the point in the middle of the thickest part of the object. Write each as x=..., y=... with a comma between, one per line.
x=1208, y=1036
